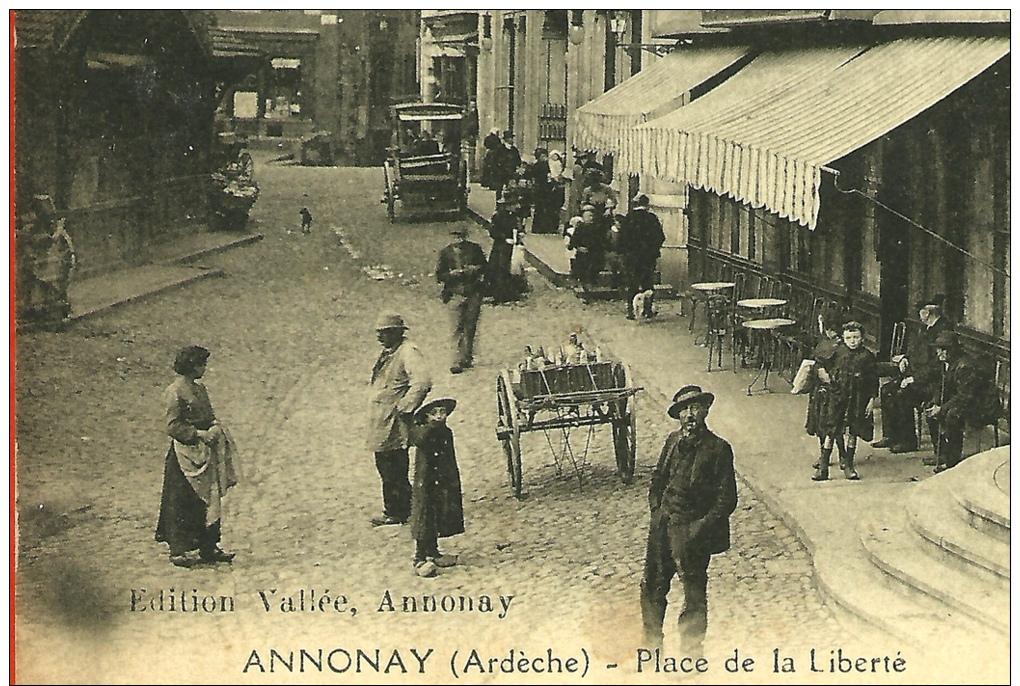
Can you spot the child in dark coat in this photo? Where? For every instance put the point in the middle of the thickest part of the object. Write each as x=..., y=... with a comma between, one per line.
x=306, y=220
x=855, y=381
x=437, y=510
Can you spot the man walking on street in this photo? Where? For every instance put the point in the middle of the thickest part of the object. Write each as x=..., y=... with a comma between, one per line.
x=692, y=495
x=400, y=382
x=641, y=240
x=461, y=270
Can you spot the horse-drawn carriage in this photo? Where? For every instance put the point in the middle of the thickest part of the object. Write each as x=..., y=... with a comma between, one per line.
x=425, y=172
x=575, y=391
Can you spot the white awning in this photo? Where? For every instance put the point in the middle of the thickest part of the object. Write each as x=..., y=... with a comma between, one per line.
x=603, y=123
x=763, y=136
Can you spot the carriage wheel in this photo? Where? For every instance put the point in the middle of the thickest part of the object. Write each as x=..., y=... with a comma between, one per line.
x=508, y=430
x=624, y=427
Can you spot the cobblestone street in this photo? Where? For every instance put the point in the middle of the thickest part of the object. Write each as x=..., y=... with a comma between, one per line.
x=290, y=328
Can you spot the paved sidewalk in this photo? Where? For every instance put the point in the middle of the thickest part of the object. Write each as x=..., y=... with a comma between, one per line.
x=174, y=268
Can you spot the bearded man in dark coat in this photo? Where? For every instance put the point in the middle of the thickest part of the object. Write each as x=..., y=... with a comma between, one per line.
x=692, y=495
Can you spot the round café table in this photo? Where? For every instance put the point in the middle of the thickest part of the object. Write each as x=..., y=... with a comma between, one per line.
x=763, y=329
x=761, y=303
x=708, y=288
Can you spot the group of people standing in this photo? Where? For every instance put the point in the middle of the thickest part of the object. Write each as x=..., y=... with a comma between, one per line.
x=597, y=237
x=536, y=190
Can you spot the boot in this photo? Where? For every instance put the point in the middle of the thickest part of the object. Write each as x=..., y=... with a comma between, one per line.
x=822, y=466
x=847, y=463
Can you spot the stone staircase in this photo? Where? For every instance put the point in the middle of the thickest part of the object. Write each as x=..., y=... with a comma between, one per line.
x=935, y=570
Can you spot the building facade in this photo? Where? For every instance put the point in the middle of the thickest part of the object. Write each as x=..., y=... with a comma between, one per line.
x=854, y=155
x=908, y=137
x=114, y=123
x=330, y=71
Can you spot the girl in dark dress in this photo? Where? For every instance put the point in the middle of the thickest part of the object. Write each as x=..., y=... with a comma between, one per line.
x=855, y=379
x=198, y=468
x=437, y=509
x=841, y=406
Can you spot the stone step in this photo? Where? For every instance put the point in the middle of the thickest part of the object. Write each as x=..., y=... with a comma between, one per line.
x=939, y=519
x=862, y=594
x=986, y=506
x=894, y=548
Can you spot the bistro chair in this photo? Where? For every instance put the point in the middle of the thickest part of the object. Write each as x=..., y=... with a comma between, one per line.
x=897, y=346
x=719, y=323
x=738, y=335
x=1002, y=387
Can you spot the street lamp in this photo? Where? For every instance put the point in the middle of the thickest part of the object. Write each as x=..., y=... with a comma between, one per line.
x=576, y=30
x=618, y=25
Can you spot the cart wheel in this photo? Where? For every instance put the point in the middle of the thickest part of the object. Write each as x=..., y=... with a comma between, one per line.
x=625, y=427
x=508, y=430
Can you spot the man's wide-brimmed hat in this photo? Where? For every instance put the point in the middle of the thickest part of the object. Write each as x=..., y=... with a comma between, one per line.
x=422, y=412
x=946, y=340
x=389, y=321
x=687, y=395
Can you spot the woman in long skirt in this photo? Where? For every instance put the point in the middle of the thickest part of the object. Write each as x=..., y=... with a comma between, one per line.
x=198, y=468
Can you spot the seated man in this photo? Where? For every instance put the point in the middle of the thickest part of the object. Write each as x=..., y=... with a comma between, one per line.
x=964, y=400
x=918, y=374
x=900, y=396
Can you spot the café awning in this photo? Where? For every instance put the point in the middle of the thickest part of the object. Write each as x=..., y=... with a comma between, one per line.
x=764, y=135
x=602, y=124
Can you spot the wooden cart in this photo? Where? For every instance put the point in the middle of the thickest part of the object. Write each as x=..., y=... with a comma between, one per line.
x=557, y=400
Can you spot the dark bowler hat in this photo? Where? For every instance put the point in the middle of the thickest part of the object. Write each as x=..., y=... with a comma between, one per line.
x=687, y=395
x=421, y=412
x=946, y=340
x=390, y=321
x=641, y=200
x=937, y=300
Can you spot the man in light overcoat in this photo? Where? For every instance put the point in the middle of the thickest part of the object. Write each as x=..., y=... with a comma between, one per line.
x=400, y=382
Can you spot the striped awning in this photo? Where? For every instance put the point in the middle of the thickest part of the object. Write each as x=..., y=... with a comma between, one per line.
x=603, y=123
x=763, y=136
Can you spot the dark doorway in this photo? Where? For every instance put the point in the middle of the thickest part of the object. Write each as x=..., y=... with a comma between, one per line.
x=894, y=236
